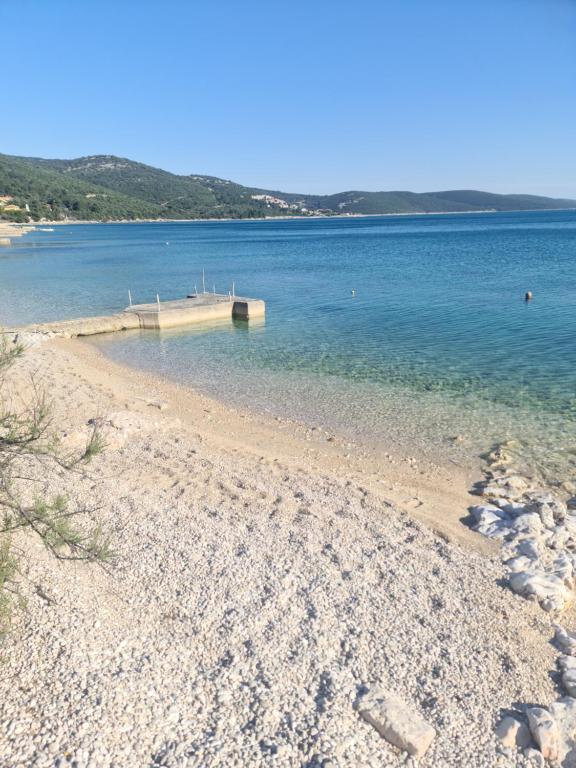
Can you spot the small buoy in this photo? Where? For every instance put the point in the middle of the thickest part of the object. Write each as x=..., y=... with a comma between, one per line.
x=353, y=292
x=167, y=242
x=528, y=296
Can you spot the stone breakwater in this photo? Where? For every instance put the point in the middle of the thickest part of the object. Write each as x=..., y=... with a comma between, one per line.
x=536, y=529
x=81, y=326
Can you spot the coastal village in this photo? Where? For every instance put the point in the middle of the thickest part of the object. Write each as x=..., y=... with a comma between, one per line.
x=278, y=202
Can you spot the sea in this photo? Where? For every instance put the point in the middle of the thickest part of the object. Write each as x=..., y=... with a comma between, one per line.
x=406, y=332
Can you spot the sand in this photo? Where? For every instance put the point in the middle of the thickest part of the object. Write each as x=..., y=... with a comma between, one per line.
x=8, y=231
x=266, y=573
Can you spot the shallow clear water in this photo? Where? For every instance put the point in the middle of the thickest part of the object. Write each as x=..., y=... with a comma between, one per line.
x=437, y=340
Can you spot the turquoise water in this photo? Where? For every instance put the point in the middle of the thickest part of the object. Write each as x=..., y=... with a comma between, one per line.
x=437, y=340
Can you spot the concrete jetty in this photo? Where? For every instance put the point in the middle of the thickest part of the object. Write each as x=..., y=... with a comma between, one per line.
x=196, y=308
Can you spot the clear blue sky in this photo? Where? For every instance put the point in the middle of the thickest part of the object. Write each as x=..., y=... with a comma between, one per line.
x=310, y=96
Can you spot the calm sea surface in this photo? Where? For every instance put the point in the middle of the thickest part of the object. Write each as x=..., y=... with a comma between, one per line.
x=436, y=342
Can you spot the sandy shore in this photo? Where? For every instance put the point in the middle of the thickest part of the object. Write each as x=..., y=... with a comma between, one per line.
x=265, y=573
x=62, y=222
x=8, y=231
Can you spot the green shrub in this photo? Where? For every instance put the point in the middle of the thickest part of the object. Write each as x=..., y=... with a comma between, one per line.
x=28, y=450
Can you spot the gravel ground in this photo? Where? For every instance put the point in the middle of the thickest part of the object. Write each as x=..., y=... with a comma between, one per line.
x=251, y=602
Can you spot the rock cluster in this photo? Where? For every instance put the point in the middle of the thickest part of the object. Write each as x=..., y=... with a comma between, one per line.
x=537, y=532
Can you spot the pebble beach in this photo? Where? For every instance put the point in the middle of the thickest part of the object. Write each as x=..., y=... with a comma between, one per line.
x=267, y=579
x=288, y=385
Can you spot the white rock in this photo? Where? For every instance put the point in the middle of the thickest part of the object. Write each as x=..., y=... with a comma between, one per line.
x=541, y=497
x=486, y=513
x=568, y=667
x=497, y=530
x=553, y=604
x=545, y=514
x=547, y=504
x=569, y=524
x=547, y=588
x=512, y=508
x=487, y=517
x=519, y=564
x=493, y=491
x=397, y=722
x=560, y=537
x=564, y=714
x=513, y=733
x=514, y=485
x=567, y=662
x=531, y=548
x=529, y=522
x=544, y=729
x=566, y=640
x=562, y=568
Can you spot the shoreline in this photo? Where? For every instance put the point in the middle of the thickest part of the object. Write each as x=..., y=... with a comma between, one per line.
x=64, y=222
x=432, y=492
x=261, y=565
x=9, y=230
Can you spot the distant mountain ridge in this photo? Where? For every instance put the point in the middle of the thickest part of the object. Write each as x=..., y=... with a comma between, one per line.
x=110, y=188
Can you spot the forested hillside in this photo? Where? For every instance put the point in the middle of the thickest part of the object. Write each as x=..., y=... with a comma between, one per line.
x=109, y=188
x=39, y=192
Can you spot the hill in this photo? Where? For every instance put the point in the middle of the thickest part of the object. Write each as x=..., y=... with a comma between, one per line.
x=174, y=196
x=29, y=192
x=108, y=188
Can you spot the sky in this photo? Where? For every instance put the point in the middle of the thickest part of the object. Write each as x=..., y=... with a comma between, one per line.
x=304, y=96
